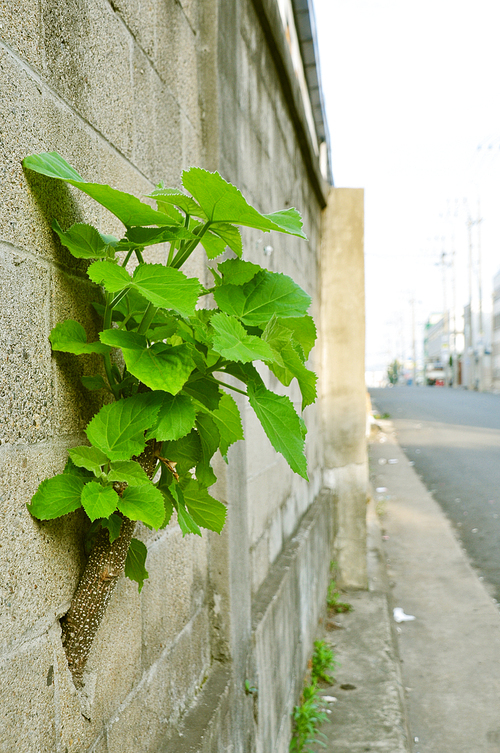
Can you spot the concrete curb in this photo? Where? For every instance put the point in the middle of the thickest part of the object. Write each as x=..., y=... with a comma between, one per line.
x=369, y=713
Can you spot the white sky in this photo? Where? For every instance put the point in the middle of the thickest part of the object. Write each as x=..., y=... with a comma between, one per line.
x=412, y=90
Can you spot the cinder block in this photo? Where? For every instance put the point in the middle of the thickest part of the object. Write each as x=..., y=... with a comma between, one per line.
x=87, y=52
x=164, y=693
x=20, y=26
x=175, y=590
x=40, y=561
x=27, y=717
x=26, y=389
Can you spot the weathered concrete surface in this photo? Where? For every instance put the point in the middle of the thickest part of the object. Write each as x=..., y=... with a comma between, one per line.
x=343, y=378
x=371, y=716
x=451, y=651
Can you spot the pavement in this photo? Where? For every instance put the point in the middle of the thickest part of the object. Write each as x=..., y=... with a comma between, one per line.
x=425, y=685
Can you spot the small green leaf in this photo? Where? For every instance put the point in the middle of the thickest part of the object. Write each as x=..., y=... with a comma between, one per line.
x=73, y=470
x=267, y=294
x=84, y=241
x=143, y=503
x=99, y=501
x=223, y=202
x=186, y=522
x=238, y=272
x=213, y=244
x=135, y=564
x=160, y=367
x=51, y=164
x=304, y=331
x=230, y=235
x=288, y=362
x=186, y=452
x=205, y=391
x=93, y=382
x=210, y=440
x=113, y=523
x=57, y=496
x=110, y=275
x=70, y=337
x=206, y=511
x=148, y=236
x=228, y=419
x=118, y=429
x=128, y=471
x=90, y=458
x=234, y=343
x=178, y=199
x=175, y=419
x=281, y=424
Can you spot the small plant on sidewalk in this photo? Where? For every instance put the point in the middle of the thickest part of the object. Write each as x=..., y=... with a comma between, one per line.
x=307, y=718
x=169, y=364
x=323, y=662
x=333, y=600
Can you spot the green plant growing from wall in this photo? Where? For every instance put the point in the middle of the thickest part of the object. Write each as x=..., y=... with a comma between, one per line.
x=169, y=367
x=307, y=718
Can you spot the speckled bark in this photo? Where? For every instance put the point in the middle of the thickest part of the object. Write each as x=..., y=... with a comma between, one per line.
x=104, y=566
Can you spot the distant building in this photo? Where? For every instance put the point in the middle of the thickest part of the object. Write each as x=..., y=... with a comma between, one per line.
x=436, y=349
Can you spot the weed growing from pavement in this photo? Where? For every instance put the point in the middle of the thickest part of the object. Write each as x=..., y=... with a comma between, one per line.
x=333, y=602
x=323, y=662
x=307, y=718
x=309, y=715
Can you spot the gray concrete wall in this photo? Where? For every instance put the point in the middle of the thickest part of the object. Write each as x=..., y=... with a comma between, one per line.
x=131, y=92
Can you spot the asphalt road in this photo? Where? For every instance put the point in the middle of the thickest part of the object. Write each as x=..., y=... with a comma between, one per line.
x=453, y=439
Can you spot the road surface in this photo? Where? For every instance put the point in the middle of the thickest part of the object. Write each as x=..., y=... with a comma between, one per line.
x=453, y=439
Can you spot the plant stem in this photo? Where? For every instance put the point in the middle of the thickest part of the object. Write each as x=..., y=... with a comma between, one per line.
x=188, y=249
x=148, y=317
x=230, y=387
x=126, y=260
x=138, y=253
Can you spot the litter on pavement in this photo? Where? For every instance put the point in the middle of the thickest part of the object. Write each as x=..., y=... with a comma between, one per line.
x=400, y=616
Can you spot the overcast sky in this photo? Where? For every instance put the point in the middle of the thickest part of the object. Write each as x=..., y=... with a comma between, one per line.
x=413, y=107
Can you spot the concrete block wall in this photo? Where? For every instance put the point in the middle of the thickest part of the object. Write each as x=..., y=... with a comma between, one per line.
x=131, y=92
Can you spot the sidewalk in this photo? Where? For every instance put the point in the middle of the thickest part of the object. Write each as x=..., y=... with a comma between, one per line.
x=440, y=671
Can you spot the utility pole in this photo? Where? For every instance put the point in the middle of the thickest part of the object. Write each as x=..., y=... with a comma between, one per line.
x=470, y=349
x=414, y=342
x=480, y=294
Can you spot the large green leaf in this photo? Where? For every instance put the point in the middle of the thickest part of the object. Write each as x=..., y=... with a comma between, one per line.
x=126, y=207
x=223, y=202
x=228, y=420
x=143, y=503
x=206, y=511
x=88, y=457
x=281, y=424
x=57, y=496
x=234, y=343
x=186, y=522
x=99, y=501
x=113, y=524
x=237, y=271
x=129, y=472
x=267, y=294
x=135, y=564
x=84, y=241
x=164, y=287
x=175, y=419
x=70, y=337
x=167, y=287
x=213, y=244
x=118, y=429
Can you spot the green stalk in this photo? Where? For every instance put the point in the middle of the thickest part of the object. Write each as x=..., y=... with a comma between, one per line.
x=146, y=320
x=138, y=253
x=185, y=253
x=126, y=260
x=230, y=387
x=106, y=324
